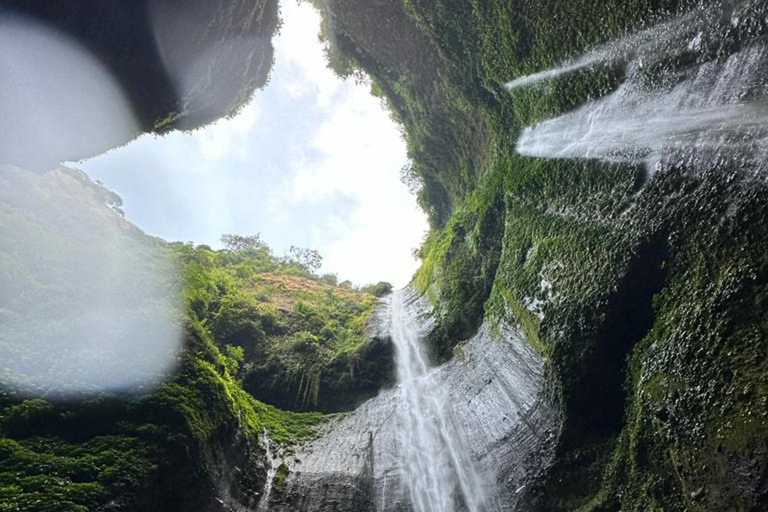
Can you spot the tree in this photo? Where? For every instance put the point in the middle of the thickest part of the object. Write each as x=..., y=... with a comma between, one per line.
x=410, y=178
x=240, y=243
x=331, y=279
x=379, y=289
x=308, y=258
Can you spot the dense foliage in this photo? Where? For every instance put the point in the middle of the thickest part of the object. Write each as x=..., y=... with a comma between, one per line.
x=302, y=341
x=159, y=450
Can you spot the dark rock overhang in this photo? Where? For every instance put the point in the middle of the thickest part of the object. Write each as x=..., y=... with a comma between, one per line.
x=178, y=64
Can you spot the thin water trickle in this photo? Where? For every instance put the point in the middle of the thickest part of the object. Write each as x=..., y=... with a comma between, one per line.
x=273, y=460
x=436, y=468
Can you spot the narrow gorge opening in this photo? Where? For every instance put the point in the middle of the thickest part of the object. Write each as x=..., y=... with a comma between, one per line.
x=383, y=256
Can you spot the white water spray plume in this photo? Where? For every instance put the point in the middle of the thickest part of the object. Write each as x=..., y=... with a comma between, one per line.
x=712, y=105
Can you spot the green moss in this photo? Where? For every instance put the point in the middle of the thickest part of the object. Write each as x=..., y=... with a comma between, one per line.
x=280, y=480
x=279, y=486
x=167, y=122
x=529, y=323
x=287, y=426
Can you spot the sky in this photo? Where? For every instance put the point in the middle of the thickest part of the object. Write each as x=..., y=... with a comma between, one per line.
x=312, y=161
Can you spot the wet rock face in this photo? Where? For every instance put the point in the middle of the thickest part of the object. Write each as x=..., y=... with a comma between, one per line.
x=328, y=492
x=495, y=392
x=238, y=474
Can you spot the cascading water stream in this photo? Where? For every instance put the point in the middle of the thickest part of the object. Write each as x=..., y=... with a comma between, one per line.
x=693, y=87
x=435, y=466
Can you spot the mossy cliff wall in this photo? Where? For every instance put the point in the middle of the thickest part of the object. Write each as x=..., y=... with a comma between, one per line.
x=643, y=289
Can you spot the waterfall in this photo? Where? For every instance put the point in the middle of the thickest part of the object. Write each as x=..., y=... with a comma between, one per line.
x=698, y=86
x=703, y=111
x=435, y=467
x=651, y=40
x=469, y=435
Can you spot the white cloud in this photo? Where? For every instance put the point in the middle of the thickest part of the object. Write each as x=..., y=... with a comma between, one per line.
x=299, y=49
x=362, y=153
x=226, y=136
